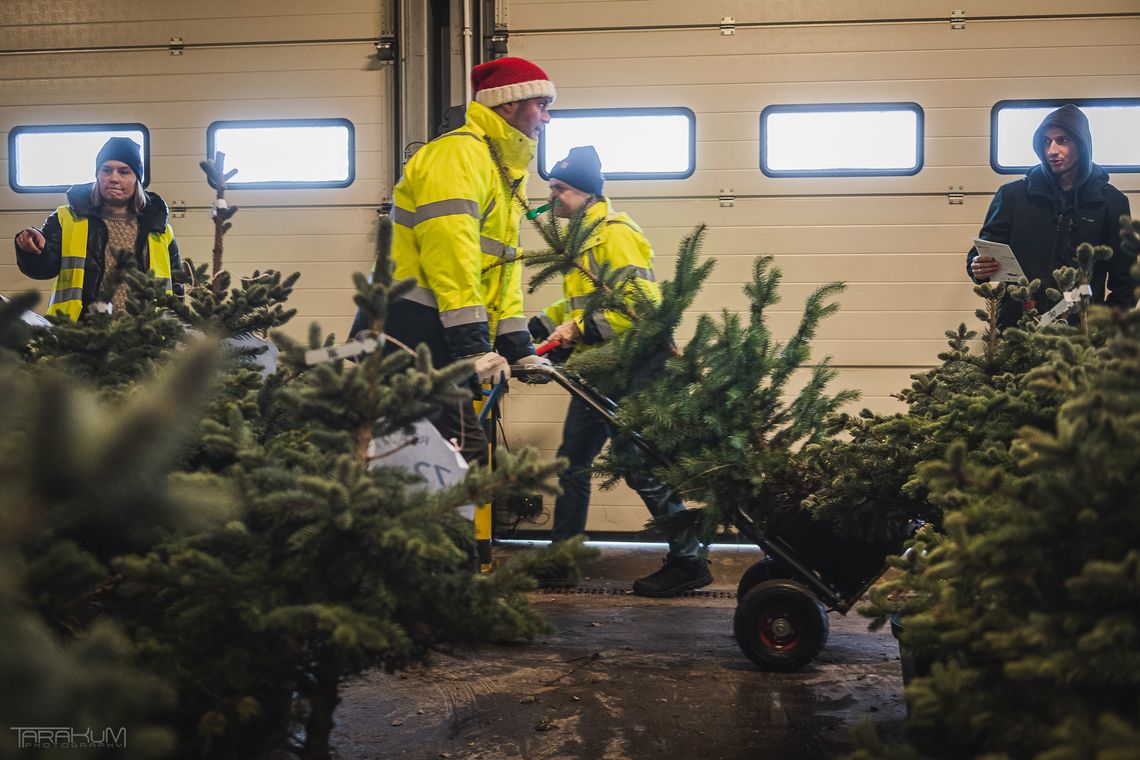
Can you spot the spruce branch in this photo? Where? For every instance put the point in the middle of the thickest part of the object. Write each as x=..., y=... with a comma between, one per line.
x=14, y=331
x=992, y=294
x=217, y=176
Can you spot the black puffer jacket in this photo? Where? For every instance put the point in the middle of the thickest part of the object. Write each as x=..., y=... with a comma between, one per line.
x=1044, y=225
x=45, y=265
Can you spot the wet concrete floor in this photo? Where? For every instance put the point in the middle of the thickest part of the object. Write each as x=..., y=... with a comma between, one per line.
x=628, y=677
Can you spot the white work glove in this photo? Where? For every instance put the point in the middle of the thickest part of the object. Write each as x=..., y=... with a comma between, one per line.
x=492, y=367
x=534, y=362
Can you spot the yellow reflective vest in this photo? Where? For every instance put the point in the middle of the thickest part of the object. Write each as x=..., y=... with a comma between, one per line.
x=456, y=230
x=619, y=242
x=67, y=290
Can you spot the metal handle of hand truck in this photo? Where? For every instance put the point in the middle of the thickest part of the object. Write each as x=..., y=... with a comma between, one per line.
x=591, y=398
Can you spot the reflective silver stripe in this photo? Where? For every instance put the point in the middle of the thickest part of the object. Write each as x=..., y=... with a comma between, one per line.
x=449, y=207
x=403, y=217
x=578, y=302
x=72, y=262
x=643, y=273
x=510, y=325
x=487, y=213
x=459, y=134
x=167, y=283
x=422, y=296
x=495, y=248
x=547, y=322
x=594, y=267
x=463, y=316
x=603, y=326
x=62, y=296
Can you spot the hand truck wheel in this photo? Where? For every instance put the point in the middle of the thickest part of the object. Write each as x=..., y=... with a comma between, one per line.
x=764, y=570
x=780, y=625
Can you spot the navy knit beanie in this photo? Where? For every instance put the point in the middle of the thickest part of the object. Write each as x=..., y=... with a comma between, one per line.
x=581, y=169
x=121, y=149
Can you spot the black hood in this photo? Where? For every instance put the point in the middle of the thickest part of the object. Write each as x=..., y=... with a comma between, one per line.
x=153, y=218
x=1072, y=120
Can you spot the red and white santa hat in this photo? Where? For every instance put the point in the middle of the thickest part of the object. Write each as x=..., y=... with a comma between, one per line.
x=509, y=79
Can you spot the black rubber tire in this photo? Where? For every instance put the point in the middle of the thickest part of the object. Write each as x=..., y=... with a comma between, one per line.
x=780, y=625
x=765, y=570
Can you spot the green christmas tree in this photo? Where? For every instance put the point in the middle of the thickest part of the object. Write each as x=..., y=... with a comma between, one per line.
x=1027, y=601
x=82, y=481
x=231, y=523
x=394, y=576
x=866, y=474
x=719, y=415
x=112, y=349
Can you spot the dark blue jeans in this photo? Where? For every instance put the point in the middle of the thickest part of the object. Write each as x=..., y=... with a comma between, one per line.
x=583, y=436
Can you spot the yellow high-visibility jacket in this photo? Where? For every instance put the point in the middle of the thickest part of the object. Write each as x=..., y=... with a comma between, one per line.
x=456, y=231
x=618, y=241
x=67, y=290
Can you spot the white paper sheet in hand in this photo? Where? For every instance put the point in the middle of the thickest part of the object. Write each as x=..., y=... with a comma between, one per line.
x=1008, y=268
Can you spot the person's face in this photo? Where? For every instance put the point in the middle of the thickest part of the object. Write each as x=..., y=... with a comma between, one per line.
x=1061, y=151
x=117, y=183
x=567, y=198
x=527, y=116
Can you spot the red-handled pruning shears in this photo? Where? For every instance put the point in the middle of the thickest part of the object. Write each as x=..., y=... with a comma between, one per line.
x=546, y=348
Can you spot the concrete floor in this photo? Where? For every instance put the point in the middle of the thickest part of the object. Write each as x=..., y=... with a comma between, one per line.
x=628, y=677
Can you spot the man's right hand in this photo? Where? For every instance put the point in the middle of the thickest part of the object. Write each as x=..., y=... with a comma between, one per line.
x=566, y=333
x=492, y=368
x=30, y=240
x=983, y=267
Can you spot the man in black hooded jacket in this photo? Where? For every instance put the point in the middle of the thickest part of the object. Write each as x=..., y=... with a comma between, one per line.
x=1064, y=201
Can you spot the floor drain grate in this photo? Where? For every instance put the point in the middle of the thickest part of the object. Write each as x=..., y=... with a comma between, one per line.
x=625, y=591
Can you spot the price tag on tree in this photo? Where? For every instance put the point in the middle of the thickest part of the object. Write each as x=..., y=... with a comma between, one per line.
x=1069, y=299
x=425, y=453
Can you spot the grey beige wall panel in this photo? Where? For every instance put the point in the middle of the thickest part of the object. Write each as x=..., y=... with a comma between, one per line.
x=604, y=14
x=33, y=24
x=897, y=241
x=253, y=59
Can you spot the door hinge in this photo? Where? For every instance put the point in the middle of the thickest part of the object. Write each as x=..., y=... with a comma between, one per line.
x=955, y=196
x=386, y=48
x=176, y=46
x=958, y=19
x=727, y=26
x=727, y=199
x=497, y=45
x=177, y=209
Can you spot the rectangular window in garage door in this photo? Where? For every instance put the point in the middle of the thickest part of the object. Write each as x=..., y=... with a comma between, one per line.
x=285, y=153
x=1114, y=123
x=841, y=140
x=633, y=143
x=49, y=158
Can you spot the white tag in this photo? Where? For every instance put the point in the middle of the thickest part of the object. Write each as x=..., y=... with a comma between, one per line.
x=425, y=453
x=1069, y=299
x=343, y=351
x=1054, y=314
x=1075, y=294
x=220, y=203
x=99, y=307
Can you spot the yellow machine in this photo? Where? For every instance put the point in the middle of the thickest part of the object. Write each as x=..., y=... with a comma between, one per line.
x=487, y=407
